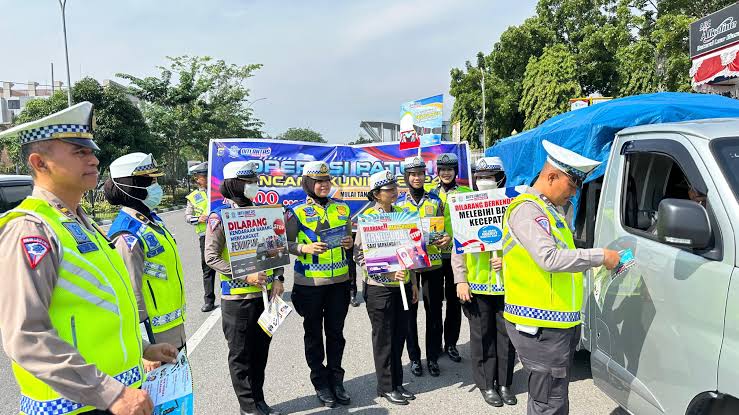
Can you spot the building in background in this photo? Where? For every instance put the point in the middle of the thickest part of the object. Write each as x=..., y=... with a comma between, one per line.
x=714, y=44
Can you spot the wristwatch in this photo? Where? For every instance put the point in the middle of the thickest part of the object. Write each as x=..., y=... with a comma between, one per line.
x=280, y=278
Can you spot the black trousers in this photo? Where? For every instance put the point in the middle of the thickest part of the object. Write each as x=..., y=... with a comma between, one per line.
x=453, y=319
x=432, y=288
x=491, y=351
x=209, y=276
x=547, y=356
x=323, y=307
x=248, y=349
x=389, y=328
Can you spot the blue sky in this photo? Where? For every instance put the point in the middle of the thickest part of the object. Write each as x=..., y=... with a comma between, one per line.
x=327, y=64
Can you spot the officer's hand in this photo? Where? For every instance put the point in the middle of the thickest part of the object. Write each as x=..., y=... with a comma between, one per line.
x=400, y=276
x=161, y=352
x=202, y=219
x=132, y=402
x=463, y=292
x=496, y=263
x=611, y=258
x=258, y=278
x=347, y=242
x=315, y=248
x=277, y=289
x=443, y=241
x=149, y=365
x=414, y=289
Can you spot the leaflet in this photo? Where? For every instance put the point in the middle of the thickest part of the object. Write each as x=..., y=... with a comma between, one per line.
x=433, y=228
x=393, y=242
x=333, y=236
x=255, y=238
x=170, y=387
x=274, y=315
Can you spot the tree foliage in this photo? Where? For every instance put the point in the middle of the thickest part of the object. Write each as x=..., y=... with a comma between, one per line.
x=302, y=134
x=193, y=100
x=610, y=47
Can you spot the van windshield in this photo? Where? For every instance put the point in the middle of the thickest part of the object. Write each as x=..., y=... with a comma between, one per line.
x=726, y=151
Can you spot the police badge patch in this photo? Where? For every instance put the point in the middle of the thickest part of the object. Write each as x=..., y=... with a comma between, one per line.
x=36, y=249
x=130, y=240
x=153, y=246
x=543, y=221
x=84, y=244
x=430, y=210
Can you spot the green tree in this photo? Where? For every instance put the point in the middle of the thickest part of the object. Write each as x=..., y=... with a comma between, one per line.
x=549, y=83
x=193, y=100
x=361, y=139
x=302, y=134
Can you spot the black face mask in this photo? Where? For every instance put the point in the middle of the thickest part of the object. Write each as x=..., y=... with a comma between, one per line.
x=308, y=184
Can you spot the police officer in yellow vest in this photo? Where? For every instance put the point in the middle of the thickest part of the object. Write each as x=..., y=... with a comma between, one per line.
x=447, y=169
x=431, y=279
x=68, y=314
x=384, y=301
x=480, y=287
x=147, y=248
x=543, y=280
x=241, y=300
x=321, y=292
x=196, y=214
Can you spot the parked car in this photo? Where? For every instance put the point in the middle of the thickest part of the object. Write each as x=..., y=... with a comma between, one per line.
x=13, y=189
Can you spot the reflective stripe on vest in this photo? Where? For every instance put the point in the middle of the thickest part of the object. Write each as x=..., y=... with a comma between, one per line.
x=331, y=263
x=238, y=286
x=93, y=308
x=428, y=207
x=199, y=201
x=480, y=275
x=162, y=285
x=534, y=296
x=387, y=279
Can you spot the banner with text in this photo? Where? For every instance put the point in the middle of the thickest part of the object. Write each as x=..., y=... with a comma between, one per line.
x=477, y=218
x=255, y=239
x=281, y=163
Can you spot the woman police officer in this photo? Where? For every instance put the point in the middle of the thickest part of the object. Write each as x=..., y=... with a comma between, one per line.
x=241, y=300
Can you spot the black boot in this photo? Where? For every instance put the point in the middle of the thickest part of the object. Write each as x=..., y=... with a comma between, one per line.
x=509, y=398
x=434, y=368
x=341, y=395
x=326, y=397
x=453, y=353
x=406, y=394
x=207, y=307
x=393, y=397
x=354, y=302
x=416, y=368
x=264, y=409
x=492, y=398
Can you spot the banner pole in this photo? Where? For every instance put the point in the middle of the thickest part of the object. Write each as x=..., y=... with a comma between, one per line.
x=497, y=273
x=402, y=295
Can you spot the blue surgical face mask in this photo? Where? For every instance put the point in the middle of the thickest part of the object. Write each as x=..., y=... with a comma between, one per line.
x=154, y=193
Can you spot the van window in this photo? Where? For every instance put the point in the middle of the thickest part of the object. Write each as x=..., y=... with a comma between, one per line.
x=12, y=196
x=726, y=151
x=650, y=178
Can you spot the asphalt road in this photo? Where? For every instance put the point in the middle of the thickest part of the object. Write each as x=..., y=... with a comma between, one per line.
x=288, y=386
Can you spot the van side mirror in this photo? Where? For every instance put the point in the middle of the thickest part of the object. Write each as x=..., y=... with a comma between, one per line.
x=683, y=223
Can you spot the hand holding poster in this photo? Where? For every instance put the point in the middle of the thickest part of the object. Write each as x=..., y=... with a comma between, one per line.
x=255, y=239
x=477, y=218
x=170, y=387
x=393, y=242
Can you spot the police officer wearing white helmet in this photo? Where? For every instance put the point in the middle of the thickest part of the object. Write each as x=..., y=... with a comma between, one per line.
x=68, y=314
x=241, y=299
x=384, y=302
x=543, y=278
x=480, y=288
x=147, y=248
x=196, y=214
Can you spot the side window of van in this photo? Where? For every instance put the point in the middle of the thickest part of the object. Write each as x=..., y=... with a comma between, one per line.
x=11, y=196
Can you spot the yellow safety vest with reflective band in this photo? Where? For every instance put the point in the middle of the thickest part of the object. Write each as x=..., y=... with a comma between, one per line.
x=93, y=308
x=199, y=201
x=533, y=296
x=429, y=206
x=162, y=285
x=382, y=278
x=238, y=286
x=439, y=191
x=331, y=263
x=480, y=275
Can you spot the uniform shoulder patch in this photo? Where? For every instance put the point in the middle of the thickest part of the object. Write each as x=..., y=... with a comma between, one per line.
x=213, y=221
x=130, y=240
x=36, y=248
x=543, y=221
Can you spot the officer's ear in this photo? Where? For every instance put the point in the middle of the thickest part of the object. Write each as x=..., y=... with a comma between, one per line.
x=37, y=156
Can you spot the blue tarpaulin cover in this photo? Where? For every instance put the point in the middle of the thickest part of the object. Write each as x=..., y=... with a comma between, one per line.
x=590, y=131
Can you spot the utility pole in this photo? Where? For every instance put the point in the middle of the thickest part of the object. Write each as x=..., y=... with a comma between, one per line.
x=481, y=66
x=63, y=5
x=52, y=78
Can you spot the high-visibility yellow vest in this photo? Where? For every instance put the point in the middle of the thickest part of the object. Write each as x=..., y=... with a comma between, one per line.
x=439, y=191
x=93, y=308
x=383, y=278
x=533, y=296
x=481, y=277
x=331, y=263
x=429, y=206
x=199, y=201
x=238, y=286
x=162, y=285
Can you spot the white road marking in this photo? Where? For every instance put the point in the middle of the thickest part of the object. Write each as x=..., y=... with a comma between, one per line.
x=203, y=330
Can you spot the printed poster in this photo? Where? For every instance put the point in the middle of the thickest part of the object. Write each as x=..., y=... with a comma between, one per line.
x=170, y=387
x=433, y=228
x=255, y=239
x=273, y=316
x=421, y=122
x=477, y=218
x=393, y=242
